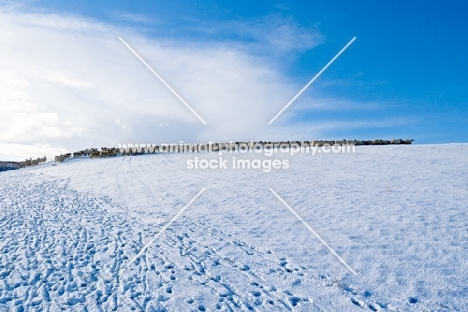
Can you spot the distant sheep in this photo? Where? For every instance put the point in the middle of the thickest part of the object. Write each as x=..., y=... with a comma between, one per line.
x=59, y=158
x=215, y=147
x=62, y=157
x=94, y=154
x=31, y=162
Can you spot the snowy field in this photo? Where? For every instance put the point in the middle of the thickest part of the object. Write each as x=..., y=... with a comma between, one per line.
x=398, y=215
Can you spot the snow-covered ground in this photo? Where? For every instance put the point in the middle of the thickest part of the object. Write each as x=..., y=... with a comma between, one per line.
x=398, y=215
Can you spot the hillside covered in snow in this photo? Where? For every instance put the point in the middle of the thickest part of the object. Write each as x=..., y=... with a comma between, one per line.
x=397, y=215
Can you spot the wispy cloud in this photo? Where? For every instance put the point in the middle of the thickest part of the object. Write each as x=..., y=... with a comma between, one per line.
x=133, y=17
x=274, y=33
x=340, y=128
x=282, y=6
x=318, y=104
x=18, y=152
x=68, y=83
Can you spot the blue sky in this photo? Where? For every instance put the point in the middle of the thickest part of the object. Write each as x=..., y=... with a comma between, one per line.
x=404, y=77
x=407, y=53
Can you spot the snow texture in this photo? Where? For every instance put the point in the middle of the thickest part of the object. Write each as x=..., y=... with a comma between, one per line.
x=396, y=214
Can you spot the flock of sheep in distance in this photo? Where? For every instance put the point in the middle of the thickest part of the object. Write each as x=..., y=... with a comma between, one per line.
x=92, y=153
x=187, y=148
x=214, y=147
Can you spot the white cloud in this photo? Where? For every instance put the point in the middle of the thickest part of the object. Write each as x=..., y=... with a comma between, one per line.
x=65, y=79
x=19, y=152
x=282, y=6
x=336, y=104
x=273, y=34
x=132, y=17
x=286, y=35
x=68, y=83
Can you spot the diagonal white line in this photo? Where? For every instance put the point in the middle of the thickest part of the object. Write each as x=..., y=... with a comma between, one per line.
x=313, y=232
x=310, y=82
x=162, y=80
x=164, y=228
